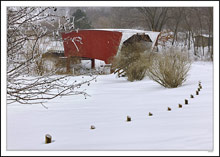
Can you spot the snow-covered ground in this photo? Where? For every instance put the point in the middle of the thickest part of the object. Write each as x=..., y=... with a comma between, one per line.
x=68, y=119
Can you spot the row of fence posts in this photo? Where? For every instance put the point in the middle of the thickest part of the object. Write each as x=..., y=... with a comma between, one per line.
x=179, y=105
x=48, y=137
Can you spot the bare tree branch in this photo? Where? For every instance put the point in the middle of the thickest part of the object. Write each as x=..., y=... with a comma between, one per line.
x=24, y=27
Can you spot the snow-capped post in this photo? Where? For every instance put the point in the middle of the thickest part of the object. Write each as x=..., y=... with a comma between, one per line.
x=197, y=92
x=92, y=127
x=150, y=114
x=128, y=118
x=186, y=101
x=191, y=96
x=198, y=89
x=200, y=86
x=169, y=109
x=180, y=106
x=48, y=138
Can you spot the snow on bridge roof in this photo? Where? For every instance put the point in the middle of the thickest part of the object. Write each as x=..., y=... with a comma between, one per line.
x=127, y=33
x=107, y=40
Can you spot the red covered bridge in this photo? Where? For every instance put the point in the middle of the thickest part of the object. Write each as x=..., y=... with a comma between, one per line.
x=100, y=44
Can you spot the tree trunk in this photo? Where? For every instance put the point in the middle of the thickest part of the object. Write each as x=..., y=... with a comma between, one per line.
x=189, y=42
x=186, y=39
x=209, y=42
x=194, y=47
x=202, y=46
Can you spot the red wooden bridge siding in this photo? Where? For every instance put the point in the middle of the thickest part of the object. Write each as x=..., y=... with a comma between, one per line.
x=96, y=44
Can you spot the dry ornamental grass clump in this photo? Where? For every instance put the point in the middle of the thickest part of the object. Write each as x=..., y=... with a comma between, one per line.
x=132, y=62
x=169, y=68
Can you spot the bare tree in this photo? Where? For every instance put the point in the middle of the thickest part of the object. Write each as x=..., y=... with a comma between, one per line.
x=189, y=26
x=155, y=17
x=210, y=30
x=198, y=12
x=24, y=25
x=177, y=18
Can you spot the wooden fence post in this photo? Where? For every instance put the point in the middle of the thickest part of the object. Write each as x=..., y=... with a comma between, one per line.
x=128, y=118
x=92, y=127
x=48, y=138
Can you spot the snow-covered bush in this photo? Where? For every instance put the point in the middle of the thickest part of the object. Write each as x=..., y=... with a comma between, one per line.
x=131, y=62
x=169, y=68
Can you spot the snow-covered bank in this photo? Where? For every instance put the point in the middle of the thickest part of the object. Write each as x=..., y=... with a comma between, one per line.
x=68, y=119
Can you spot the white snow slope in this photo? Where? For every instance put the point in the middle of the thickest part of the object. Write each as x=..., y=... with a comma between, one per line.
x=68, y=119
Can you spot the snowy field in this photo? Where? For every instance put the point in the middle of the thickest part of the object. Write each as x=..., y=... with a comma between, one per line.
x=68, y=119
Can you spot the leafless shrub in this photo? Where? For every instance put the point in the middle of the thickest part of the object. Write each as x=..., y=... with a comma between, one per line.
x=62, y=64
x=137, y=69
x=169, y=68
x=37, y=66
x=131, y=62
